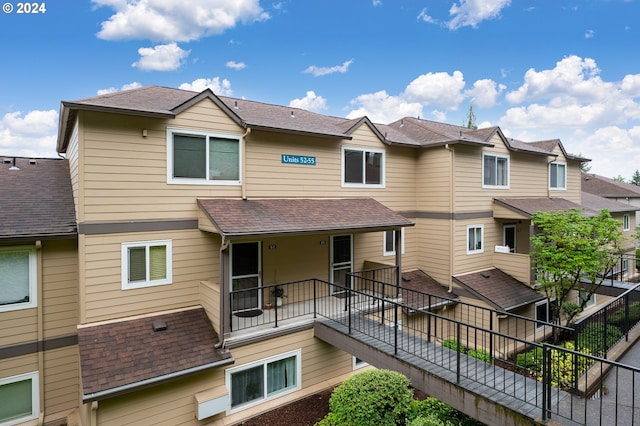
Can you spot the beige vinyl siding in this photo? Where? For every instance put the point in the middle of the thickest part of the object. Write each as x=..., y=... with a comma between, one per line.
x=195, y=258
x=125, y=174
x=169, y=404
x=74, y=166
x=18, y=365
x=60, y=287
x=433, y=178
x=295, y=258
x=464, y=262
x=18, y=326
x=61, y=380
x=433, y=243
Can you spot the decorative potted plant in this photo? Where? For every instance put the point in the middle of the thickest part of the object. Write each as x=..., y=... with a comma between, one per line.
x=278, y=293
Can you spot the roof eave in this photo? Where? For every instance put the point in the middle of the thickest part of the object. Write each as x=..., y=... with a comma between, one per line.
x=293, y=233
x=261, y=127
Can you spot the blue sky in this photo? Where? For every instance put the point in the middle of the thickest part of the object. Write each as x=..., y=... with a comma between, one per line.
x=540, y=69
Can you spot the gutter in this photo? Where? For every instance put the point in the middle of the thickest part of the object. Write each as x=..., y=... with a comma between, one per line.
x=109, y=393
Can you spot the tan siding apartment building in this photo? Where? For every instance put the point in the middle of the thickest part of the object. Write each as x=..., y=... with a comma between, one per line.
x=188, y=214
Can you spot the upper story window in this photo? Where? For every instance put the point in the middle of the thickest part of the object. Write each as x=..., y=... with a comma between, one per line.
x=20, y=398
x=202, y=158
x=146, y=264
x=390, y=242
x=590, y=299
x=495, y=171
x=475, y=239
x=18, y=278
x=557, y=176
x=626, y=222
x=362, y=167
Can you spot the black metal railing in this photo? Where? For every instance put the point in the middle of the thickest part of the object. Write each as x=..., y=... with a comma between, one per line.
x=607, y=326
x=559, y=380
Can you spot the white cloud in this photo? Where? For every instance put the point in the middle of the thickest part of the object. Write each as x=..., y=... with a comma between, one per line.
x=423, y=16
x=310, y=102
x=219, y=87
x=377, y=3
x=133, y=85
x=438, y=88
x=589, y=34
x=380, y=107
x=163, y=57
x=472, y=12
x=320, y=71
x=167, y=21
x=29, y=135
x=236, y=65
x=485, y=93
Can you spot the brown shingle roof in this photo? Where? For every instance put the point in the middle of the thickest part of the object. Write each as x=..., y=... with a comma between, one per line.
x=430, y=133
x=37, y=201
x=499, y=289
x=594, y=202
x=235, y=218
x=419, y=281
x=529, y=206
x=125, y=355
x=608, y=188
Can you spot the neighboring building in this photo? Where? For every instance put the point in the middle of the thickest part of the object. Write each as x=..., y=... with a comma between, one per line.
x=621, y=192
x=39, y=375
x=191, y=208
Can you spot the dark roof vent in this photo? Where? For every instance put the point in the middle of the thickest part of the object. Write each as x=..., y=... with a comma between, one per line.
x=485, y=275
x=159, y=326
x=14, y=167
x=33, y=161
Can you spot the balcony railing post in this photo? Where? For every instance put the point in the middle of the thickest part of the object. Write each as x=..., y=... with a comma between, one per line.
x=491, y=338
x=546, y=380
x=605, y=326
x=429, y=321
x=627, y=325
x=348, y=308
x=458, y=350
x=315, y=298
x=395, y=322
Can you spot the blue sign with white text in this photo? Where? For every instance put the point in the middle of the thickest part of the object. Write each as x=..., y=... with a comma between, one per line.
x=298, y=159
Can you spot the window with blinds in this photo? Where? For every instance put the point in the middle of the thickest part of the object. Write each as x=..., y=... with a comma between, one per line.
x=146, y=264
x=17, y=278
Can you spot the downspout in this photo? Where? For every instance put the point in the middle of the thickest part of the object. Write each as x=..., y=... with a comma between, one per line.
x=243, y=184
x=452, y=176
x=224, y=245
x=40, y=314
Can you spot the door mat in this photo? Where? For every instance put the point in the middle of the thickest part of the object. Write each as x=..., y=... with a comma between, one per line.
x=249, y=314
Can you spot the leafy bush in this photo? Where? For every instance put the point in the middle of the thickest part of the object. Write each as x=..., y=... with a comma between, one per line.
x=481, y=354
x=531, y=360
x=373, y=397
x=592, y=338
x=451, y=344
x=432, y=412
x=563, y=370
x=634, y=314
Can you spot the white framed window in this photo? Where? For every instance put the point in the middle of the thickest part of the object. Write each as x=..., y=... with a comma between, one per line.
x=626, y=222
x=357, y=363
x=582, y=295
x=389, y=242
x=20, y=396
x=362, y=167
x=202, y=158
x=542, y=313
x=146, y=264
x=475, y=239
x=18, y=278
x=259, y=381
x=557, y=176
x=495, y=171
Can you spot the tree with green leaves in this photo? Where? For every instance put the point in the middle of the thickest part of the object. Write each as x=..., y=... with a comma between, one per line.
x=635, y=179
x=619, y=178
x=572, y=251
x=471, y=119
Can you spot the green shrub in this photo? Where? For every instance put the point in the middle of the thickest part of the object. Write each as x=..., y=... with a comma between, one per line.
x=373, y=397
x=634, y=314
x=481, y=354
x=451, y=344
x=563, y=370
x=531, y=360
x=592, y=338
x=433, y=412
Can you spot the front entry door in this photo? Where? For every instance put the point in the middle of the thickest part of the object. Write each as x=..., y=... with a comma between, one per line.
x=245, y=276
x=341, y=261
x=509, y=237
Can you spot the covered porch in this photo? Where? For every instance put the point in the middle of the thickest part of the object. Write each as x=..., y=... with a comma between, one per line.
x=280, y=256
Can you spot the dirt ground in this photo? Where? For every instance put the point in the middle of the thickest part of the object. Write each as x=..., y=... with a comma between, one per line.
x=305, y=412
